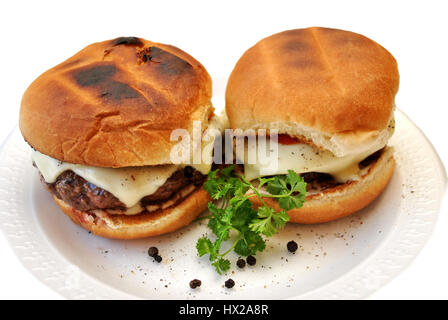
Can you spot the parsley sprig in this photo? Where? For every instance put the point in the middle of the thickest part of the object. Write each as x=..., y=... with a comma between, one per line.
x=236, y=218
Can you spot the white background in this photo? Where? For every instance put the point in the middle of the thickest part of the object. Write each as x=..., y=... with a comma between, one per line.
x=36, y=35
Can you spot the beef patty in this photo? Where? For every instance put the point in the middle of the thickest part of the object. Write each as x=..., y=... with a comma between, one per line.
x=316, y=181
x=84, y=196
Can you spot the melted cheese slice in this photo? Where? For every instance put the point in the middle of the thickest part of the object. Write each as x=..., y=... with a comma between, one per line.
x=131, y=184
x=302, y=158
x=128, y=184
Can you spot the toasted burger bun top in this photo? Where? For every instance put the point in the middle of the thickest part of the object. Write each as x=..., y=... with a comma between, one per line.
x=115, y=103
x=333, y=87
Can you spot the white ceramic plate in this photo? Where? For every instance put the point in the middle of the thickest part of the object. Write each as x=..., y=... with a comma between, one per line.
x=349, y=258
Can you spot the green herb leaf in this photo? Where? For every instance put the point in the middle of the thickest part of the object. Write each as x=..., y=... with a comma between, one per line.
x=235, y=212
x=277, y=185
x=280, y=219
x=264, y=223
x=291, y=188
x=250, y=243
x=221, y=265
x=204, y=246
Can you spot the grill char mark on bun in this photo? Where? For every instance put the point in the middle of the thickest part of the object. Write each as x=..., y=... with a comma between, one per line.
x=100, y=78
x=115, y=90
x=149, y=100
x=129, y=41
x=114, y=104
x=168, y=63
x=94, y=75
x=335, y=90
x=347, y=85
x=297, y=53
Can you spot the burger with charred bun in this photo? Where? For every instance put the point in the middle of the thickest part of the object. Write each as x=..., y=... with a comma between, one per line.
x=329, y=94
x=99, y=125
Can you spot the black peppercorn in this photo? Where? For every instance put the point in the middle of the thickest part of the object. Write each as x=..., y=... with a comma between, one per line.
x=241, y=263
x=251, y=260
x=292, y=246
x=229, y=283
x=195, y=283
x=153, y=251
x=158, y=258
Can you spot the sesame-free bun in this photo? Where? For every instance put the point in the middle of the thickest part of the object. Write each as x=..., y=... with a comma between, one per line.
x=141, y=225
x=115, y=103
x=332, y=87
x=344, y=199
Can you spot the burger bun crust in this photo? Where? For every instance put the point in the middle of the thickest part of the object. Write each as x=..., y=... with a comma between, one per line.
x=115, y=104
x=141, y=225
x=332, y=87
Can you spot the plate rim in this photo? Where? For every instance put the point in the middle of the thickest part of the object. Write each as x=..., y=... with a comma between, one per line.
x=50, y=261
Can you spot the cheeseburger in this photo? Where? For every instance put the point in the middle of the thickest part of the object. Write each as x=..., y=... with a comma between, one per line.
x=329, y=94
x=99, y=125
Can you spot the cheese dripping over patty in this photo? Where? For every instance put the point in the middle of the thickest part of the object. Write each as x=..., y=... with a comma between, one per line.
x=302, y=158
x=131, y=184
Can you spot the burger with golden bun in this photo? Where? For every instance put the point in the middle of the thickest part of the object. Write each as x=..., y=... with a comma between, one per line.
x=100, y=123
x=329, y=94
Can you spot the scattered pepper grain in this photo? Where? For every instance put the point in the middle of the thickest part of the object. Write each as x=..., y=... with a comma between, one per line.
x=251, y=260
x=292, y=246
x=241, y=263
x=195, y=283
x=229, y=283
x=153, y=251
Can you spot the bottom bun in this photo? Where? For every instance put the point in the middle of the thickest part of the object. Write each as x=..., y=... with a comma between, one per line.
x=345, y=199
x=140, y=225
